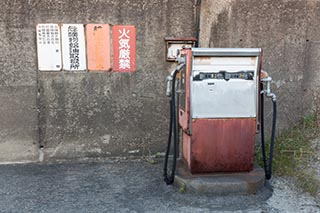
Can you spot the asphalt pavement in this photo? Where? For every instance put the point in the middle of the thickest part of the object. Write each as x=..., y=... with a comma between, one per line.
x=109, y=186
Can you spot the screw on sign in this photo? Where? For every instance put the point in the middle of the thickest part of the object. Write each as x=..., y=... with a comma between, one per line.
x=124, y=48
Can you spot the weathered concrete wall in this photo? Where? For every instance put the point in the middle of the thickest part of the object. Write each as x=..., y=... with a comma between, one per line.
x=110, y=114
x=86, y=114
x=18, y=108
x=288, y=32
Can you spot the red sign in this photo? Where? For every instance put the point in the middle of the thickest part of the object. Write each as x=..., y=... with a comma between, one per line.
x=98, y=47
x=124, y=48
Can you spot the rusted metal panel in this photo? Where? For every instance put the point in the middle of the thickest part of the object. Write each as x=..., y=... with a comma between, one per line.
x=124, y=48
x=259, y=96
x=98, y=47
x=184, y=114
x=193, y=39
x=222, y=145
x=186, y=148
x=227, y=61
x=219, y=134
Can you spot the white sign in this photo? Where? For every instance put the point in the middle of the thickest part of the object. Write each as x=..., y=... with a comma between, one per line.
x=49, y=47
x=73, y=47
x=173, y=50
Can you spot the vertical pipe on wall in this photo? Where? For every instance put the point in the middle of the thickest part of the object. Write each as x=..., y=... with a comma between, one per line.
x=198, y=10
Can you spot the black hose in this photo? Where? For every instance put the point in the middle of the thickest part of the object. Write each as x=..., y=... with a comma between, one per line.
x=165, y=172
x=172, y=128
x=268, y=168
x=272, y=138
x=263, y=146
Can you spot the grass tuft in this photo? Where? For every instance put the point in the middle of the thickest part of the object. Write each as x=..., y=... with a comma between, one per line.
x=293, y=153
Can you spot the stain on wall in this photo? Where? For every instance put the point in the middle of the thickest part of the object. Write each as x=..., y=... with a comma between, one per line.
x=74, y=115
x=287, y=32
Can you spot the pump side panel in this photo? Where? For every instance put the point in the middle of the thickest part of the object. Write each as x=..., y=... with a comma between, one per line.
x=184, y=114
x=222, y=145
x=186, y=148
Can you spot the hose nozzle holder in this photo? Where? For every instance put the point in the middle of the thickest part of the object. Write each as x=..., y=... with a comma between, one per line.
x=268, y=91
x=169, y=80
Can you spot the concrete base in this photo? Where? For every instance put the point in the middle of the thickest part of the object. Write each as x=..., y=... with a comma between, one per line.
x=219, y=183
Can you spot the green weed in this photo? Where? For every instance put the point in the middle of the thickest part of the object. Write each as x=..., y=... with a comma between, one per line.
x=293, y=152
x=182, y=188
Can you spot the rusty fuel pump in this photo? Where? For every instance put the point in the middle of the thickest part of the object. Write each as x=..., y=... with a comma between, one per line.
x=219, y=112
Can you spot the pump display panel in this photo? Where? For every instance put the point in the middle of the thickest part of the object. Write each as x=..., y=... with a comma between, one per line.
x=224, y=86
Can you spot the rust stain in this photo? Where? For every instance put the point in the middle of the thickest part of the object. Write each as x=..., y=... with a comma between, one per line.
x=98, y=47
x=222, y=145
x=184, y=119
x=253, y=60
x=186, y=148
x=203, y=60
x=97, y=27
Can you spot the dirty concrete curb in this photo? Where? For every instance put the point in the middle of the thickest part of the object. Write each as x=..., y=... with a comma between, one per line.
x=220, y=183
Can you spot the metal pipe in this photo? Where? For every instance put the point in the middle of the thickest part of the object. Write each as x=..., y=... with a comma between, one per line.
x=198, y=7
x=268, y=92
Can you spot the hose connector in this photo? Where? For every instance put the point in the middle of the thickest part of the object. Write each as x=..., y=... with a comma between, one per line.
x=181, y=60
x=170, y=77
x=169, y=80
x=268, y=91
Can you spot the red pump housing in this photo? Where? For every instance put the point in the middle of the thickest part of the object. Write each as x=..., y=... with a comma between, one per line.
x=217, y=143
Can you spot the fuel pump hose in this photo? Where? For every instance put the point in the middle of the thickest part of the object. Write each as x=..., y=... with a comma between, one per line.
x=172, y=128
x=268, y=165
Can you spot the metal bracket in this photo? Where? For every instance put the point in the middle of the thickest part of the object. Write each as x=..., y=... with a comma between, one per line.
x=268, y=91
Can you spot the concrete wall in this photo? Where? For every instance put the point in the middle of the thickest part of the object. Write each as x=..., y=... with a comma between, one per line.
x=75, y=115
x=288, y=32
x=18, y=108
x=85, y=114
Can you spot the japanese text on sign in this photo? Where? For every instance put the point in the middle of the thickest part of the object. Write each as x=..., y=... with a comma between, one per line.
x=48, y=45
x=73, y=47
x=48, y=34
x=124, y=45
x=73, y=44
x=124, y=49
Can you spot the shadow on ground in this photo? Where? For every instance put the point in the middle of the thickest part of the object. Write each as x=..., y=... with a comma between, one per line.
x=108, y=186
